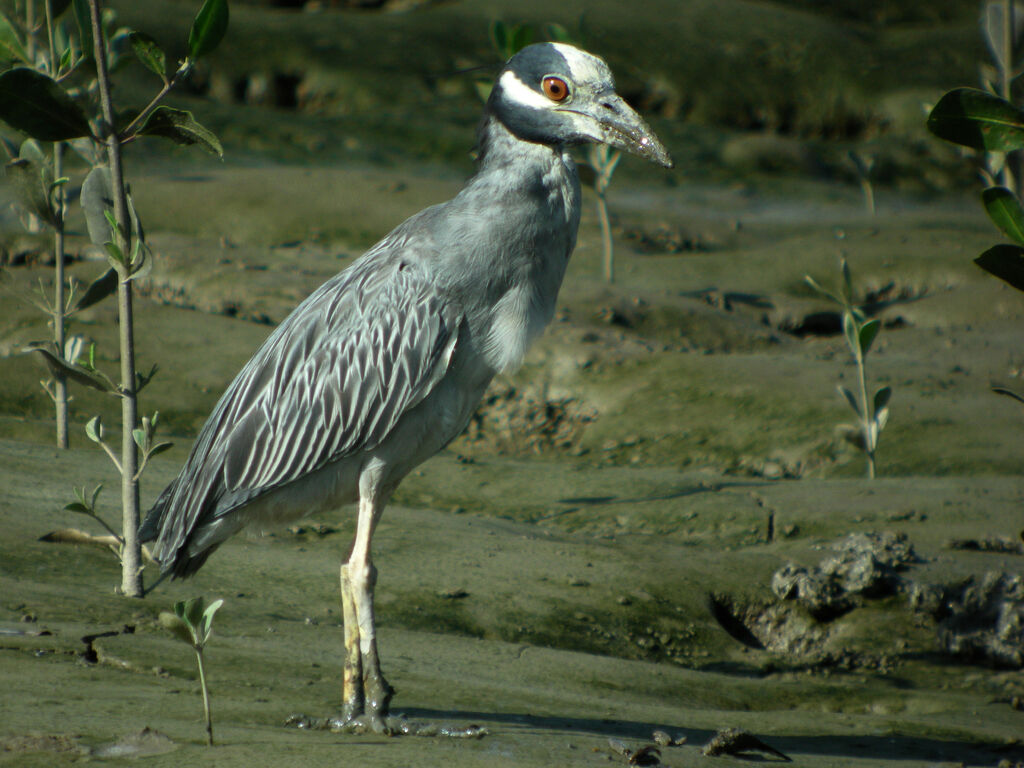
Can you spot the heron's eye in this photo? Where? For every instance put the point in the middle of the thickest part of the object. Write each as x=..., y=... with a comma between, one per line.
x=555, y=88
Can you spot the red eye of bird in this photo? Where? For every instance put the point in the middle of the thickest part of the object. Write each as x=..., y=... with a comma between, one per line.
x=555, y=88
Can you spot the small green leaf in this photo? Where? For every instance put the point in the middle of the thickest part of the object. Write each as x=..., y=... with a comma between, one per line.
x=556, y=33
x=139, y=436
x=177, y=627
x=521, y=37
x=98, y=289
x=160, y=448
x=114, y=255
x=79, y=507
x=499, y=37
x=80, y=373
x=37, y=105
x=94, y=429
x=194, y=611
x=882, y=397
x=849, y=398
x=851, y=331
x=207, y=622
x=84, y=28
x=979, y=120
x=29, y=182
x=95, y=494
x=97, y=199
x=10, y=44
x=149, y=53
x=823, y=291
x=179, y=126
x=1004, y=209
x=868, y=333
x=1005, y=262
x=208, y=29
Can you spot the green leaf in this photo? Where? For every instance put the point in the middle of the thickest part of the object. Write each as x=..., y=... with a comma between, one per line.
x=94, y=429
x=979, y=120
x=1004, y=209
x=851, y=331
x=823, y=291
x=84, y=28
x=97, y=198
x=37, y=105
x=207, y=622
x=29, y=181
x=1005, y=262
x=179, y=126
x=849, y=398
x=208, y=29
x=10, y=44
x=99, y=289
x=556, y=33
x=57, y=7
x=867, y=335
x=73, y=371
x=79, y=507
x=149, y=53
x=95, y=494
x=521, y=37
x=881, y=403
x=194, y=611
x=139, y=436
x=499, y=37
x=160, y=448
x=177, y=627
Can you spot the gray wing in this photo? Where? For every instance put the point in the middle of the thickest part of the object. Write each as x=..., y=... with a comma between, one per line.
x=332, y=380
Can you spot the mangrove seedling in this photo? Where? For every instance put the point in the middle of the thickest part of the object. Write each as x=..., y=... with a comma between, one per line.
x=192, y=623
x=860, y=333
x=65, y=102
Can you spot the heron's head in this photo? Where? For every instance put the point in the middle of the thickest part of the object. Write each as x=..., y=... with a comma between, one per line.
x=553, y=93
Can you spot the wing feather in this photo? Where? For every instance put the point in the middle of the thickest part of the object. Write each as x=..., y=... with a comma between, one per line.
x=333, y=379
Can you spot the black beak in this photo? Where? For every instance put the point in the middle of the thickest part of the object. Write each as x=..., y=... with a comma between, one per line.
x=625, y=129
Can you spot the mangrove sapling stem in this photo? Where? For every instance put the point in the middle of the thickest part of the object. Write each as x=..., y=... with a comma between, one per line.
x=131, y=561
x=606, y=238
x=60, y=381
x=206, y=695
x=867, y=429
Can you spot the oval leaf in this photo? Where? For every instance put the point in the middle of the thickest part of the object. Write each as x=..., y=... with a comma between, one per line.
x=179, y=126
x=176, y=627
x=84, y=28
x=99, y=289
x=37, y=105
x=850, y=329
x=207, y=623
x=72, y=371
x=149, y=53
x=94, y=429
x=979, y=120
x=208, y=29
x=1005, y=262
x=97, y=199
x=10, y=44
x=868, y=332
x=28, y=179
x=193, y=614
x=1004, y=209
x=882, y=398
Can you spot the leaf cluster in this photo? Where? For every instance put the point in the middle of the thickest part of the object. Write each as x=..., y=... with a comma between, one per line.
x=860, y=332
x=192, y=621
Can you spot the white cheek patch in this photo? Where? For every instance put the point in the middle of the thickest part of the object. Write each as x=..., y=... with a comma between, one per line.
x=518, y=92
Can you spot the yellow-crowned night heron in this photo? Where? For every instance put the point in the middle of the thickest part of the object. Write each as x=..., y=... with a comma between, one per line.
x=384, y=364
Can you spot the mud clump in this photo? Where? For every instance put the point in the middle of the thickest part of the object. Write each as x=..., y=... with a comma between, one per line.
x=983, y=620
x=865, y=564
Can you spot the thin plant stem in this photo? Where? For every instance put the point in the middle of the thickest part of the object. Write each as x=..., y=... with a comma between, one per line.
x=206, y=696
x=865, y=414
x=131, y=562
x=60, y=382
x=1007, y=74
x=606, y=239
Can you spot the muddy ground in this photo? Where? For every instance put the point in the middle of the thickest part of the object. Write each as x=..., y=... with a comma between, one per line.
x=594, y=558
